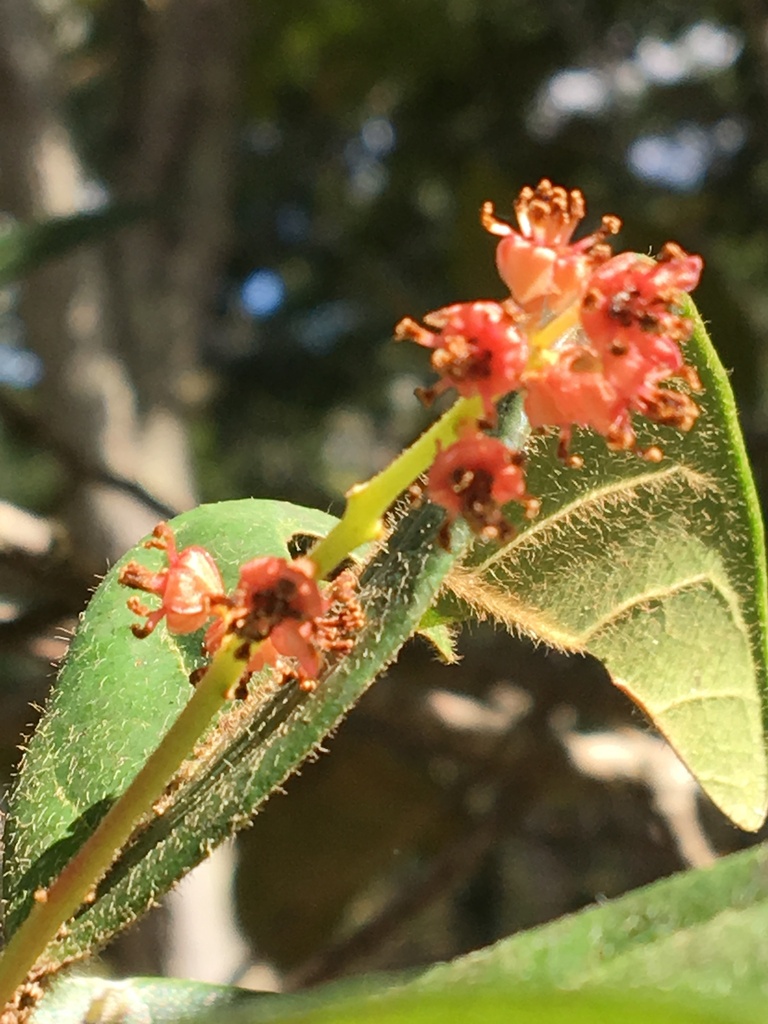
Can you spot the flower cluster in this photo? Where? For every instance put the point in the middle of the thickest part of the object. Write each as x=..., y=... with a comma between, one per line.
x=277, y=609
x=590, y=340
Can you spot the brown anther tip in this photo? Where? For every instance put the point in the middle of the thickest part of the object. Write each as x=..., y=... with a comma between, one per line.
x=652, y=454
x=243, y=652
x=415, y=495
x=140, y=632
x=406, y=329
x=134, y=575
x=425, y=395
x=491, y=222
x=159, y=538
x=671, y=251
x=241, y=690
x=691, y=377
x=196, y=675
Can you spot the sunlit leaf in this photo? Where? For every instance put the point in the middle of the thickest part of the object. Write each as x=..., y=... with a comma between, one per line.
x=659, y=571
x=116, y=696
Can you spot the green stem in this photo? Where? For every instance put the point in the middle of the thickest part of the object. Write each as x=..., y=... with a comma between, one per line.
x=367, y=503
x=66, y=894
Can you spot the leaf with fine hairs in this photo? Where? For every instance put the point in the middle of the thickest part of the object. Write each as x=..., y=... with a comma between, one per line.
x=658, y=570
x=117, y=695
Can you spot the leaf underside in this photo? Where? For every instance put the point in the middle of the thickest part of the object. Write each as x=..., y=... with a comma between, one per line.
x=659, y=571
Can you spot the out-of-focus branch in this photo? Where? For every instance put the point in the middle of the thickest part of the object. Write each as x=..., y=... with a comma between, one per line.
x=186, y=138
x=88, y=400
x=29, y=427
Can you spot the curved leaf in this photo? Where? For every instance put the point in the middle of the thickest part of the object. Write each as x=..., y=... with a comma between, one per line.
x=659, y=571
x=107, y=730
x=501, y=1005
x=116, y=696
x=701, y=932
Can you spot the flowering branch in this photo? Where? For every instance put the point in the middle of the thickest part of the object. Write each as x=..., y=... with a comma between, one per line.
x=590, y=340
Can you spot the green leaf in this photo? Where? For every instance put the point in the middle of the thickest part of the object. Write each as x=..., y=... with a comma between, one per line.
x=116, y=696
x=440, y=632
x=702, y=933
x=501, y=1006
x=135, y=1001
x=678, y=950
x=141, y=1000
x=23, y=247
x=688, y=948
x=659, y=571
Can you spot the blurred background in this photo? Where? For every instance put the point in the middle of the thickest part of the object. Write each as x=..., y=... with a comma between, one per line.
x=265, y=189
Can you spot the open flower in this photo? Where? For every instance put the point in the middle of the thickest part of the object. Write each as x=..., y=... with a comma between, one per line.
x=544, y=271
x=473, y=478
x=190, y=586
x=478, y=349
x=633, y=303
x=276, y=603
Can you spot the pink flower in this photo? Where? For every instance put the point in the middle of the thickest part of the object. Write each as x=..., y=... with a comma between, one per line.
x=571, y=389
x=544, y=271
x=276, y=603
x=190, y=586
x=473, y=478
x=478, y=349
x=635, y=304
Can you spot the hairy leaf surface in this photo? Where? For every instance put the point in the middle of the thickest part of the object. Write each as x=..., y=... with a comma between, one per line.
x=659, y=571
x=117, y=695
x=701, y=932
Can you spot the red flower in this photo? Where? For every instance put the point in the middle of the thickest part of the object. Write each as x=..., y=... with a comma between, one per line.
x=543, y=270
x=190, y=587
x=635, y=304
x=276, y=602
x=473, y=478
x=571, y=389
x=478, y=349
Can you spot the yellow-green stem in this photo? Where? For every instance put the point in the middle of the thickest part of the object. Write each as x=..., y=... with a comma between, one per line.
x=59, y=902
x=367, y=503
